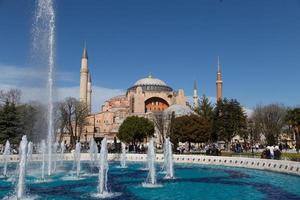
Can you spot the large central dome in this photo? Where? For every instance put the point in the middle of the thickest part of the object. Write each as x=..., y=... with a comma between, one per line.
x=151, y=84
x=150, y=81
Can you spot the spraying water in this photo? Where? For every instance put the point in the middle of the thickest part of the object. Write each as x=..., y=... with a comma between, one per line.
x=123, y=156
x=168, y=159
x=151, y=178
x=77, y=158
x=43, y=151
x=22, y=168
x=29, y=151
x=6, y=154
x=151, y=162
x=44, y=40
x=62, y=151
x=93, y=151
x=55, y=146
x=103, y=169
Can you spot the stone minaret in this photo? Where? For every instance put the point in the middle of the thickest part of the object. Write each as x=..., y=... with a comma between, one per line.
x=89, y=93
x=219, y=83
x=84, y=72
x=195, y=95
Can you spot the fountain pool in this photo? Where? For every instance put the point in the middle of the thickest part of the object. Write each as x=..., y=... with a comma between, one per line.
x=193, y=181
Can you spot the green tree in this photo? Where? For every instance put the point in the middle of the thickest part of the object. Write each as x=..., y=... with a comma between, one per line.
x=10, y=126
x=135, y=129
x=205, y=110
x=293, y=120
x=191, y=129
x=28, y=118
x=229, y=120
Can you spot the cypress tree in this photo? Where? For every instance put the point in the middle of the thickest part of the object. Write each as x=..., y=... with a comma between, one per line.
x=10, y=126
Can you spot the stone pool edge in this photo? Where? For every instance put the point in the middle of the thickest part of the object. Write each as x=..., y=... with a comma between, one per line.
x=281, y=166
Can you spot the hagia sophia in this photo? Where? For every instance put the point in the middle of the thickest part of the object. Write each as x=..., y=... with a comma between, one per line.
x=145, y=97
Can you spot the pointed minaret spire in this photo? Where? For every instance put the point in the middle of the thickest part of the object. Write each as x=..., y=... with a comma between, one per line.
x=219, y=68
x=219, y=82
x=84, y=53
x=195, y=85
x=195, y=95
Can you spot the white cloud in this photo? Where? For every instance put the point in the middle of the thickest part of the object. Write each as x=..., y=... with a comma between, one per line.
x=248, y=111
x=23, y=75
x=32, y=83
x=99, y=95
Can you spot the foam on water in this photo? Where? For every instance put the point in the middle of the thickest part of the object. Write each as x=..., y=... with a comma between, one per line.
x=106, y=195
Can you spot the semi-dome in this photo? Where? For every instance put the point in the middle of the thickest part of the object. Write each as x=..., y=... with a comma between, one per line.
x=179, y=110
x=151, y=84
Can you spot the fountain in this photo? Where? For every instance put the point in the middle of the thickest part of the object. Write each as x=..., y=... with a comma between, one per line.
x=22, y=168
x=62, y=151
x=77, y=158
x=29, y=151
x=103, y=168
x=93, y=151
x=123, y=156
x=6, y=154
x=44, y=36
x=43, y=151
x=55, y=146
x=168, y=159
x=151, y=178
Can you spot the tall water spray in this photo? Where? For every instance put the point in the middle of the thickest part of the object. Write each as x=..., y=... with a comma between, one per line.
x=55, y=146
x=103, y=168
x=93, y=151
x=6, y=154
x=168, y=159
x=43, y=41
x=77, y=158
x=123, y=156
x=151, y=178
x=29, y=151
x=43, y=152
x=22, y=168
x=62, y=151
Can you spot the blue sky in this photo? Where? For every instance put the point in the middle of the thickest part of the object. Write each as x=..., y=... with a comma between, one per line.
x=178, y=41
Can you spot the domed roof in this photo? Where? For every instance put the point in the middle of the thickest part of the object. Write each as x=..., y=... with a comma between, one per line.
x=150, y=81
x=151, y=84
x=179, y=110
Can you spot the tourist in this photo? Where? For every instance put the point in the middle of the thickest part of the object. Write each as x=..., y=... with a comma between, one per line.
x=277, y=153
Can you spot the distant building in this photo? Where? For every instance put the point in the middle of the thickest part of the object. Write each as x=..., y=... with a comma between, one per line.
x=145, y=97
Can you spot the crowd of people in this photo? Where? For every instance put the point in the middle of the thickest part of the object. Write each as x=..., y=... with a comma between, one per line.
x=271, y=152
x=268, y=152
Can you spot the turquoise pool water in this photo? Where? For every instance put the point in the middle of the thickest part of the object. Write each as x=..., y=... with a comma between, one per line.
x=192, y=182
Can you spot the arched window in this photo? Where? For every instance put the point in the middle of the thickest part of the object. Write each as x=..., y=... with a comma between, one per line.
x=156, y=104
